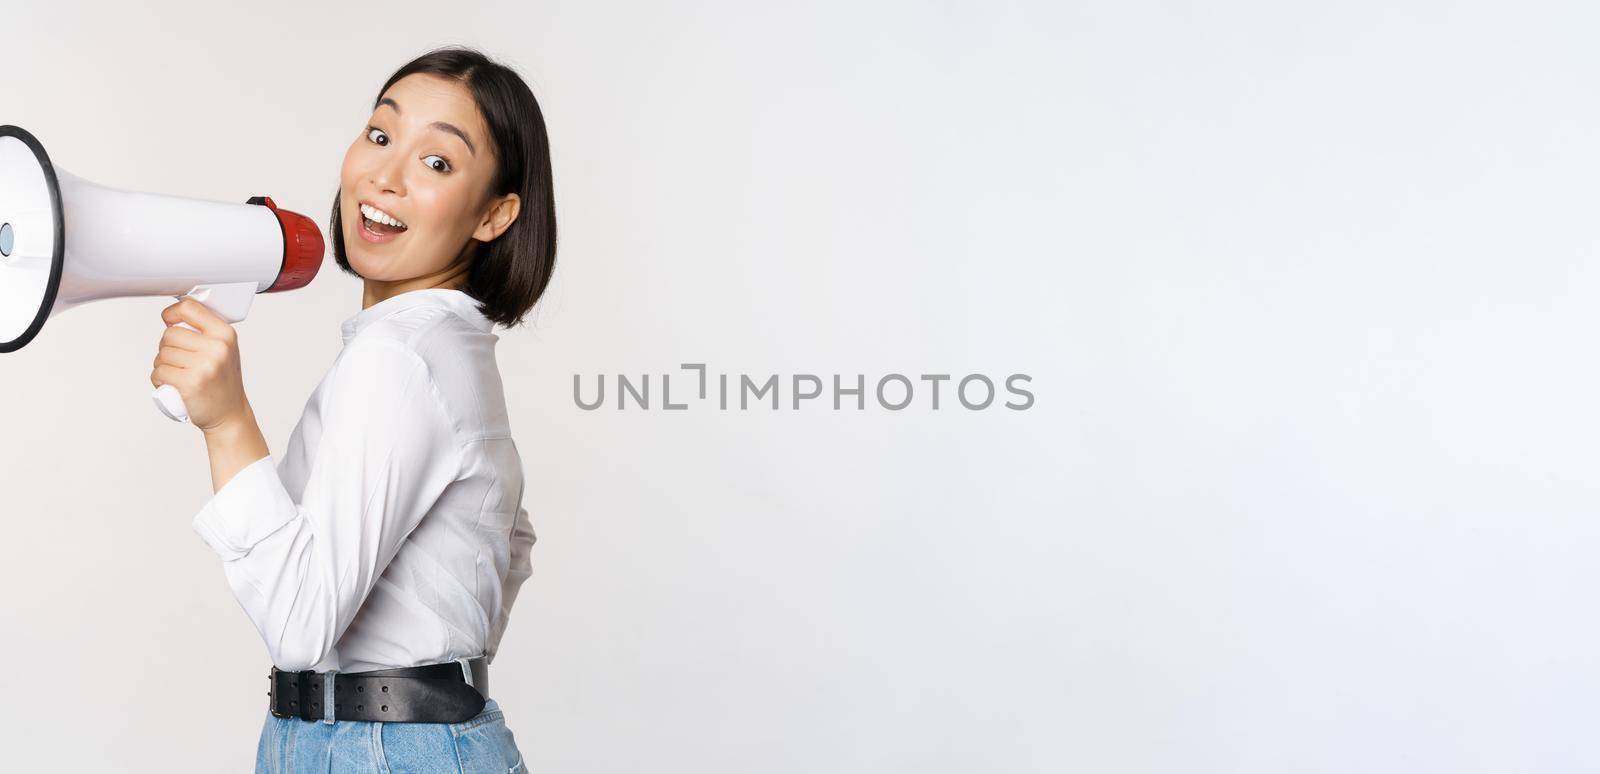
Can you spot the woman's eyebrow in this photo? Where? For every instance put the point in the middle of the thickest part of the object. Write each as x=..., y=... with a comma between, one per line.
x=440, y=125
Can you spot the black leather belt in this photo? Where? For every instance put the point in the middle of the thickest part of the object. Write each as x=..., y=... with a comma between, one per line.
x=431, y=693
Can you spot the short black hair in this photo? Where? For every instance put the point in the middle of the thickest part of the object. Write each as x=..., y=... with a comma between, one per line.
x=508, y=274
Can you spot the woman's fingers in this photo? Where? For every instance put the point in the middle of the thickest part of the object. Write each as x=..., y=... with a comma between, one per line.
x=166, y=373
x=189, y=349
x=183, y=338
x=202, y=364
x=163, y=367
x=182, y=358
x=197, y=314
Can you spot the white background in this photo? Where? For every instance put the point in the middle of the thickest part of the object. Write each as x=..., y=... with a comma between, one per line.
x=1307, y=293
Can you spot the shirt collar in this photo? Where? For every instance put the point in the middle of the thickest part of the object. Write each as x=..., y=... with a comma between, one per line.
x=455, y=300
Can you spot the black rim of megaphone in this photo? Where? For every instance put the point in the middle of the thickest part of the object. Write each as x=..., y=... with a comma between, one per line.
x=49, y=301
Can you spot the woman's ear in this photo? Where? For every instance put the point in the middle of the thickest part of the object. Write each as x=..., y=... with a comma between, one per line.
x=500, y=216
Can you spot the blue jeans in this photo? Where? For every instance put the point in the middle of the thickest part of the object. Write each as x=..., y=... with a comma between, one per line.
x=481, y=744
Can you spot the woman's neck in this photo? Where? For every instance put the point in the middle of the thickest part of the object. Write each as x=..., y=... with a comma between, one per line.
x=374, y=291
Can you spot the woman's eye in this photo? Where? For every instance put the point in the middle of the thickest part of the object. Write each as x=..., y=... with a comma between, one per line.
x=372, y=130
x=438, y=165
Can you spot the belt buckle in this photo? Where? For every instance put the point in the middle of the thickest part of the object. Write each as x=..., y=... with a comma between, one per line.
x=298, y=693
x=275, y=678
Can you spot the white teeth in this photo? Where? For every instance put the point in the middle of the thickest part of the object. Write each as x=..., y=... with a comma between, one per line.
x=373, y=213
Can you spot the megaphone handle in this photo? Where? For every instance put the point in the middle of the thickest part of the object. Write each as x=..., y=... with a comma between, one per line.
x=171, y=403
x=232, y=302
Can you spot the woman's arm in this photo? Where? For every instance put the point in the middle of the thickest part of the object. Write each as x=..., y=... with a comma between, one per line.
x=386, y=451
x=203, y=365
x=233, y=444
x=301, y=566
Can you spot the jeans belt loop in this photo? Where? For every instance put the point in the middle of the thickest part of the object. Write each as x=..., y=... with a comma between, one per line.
x=466, y=669
x=327, y=696
x=300, y=700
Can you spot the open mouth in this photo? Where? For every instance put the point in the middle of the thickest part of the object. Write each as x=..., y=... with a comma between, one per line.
x=379, y=224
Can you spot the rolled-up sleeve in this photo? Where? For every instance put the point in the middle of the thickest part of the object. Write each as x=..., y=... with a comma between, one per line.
x=301, y=570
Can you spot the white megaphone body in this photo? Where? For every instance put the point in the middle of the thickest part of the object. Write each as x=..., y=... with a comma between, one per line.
x=65, y=241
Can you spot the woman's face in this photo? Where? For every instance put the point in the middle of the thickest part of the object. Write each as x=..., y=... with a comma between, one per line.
x=424, y=160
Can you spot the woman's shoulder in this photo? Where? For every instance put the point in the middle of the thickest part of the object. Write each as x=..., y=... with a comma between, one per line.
x=414, y=325
x=436, y=334
x=458, y=359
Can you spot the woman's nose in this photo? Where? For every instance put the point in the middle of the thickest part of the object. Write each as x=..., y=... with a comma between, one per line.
x=389, y=175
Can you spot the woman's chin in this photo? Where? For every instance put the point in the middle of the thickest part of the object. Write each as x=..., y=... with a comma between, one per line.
x=367, y=266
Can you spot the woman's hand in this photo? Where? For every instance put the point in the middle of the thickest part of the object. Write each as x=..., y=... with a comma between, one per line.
x=203, y=365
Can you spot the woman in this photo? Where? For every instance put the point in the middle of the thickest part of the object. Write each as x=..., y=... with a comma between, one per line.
x=380, y=557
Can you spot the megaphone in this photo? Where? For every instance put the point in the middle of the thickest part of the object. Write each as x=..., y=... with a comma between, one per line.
x=65, y=241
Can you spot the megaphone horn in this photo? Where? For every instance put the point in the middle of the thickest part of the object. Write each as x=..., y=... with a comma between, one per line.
x=65, y=241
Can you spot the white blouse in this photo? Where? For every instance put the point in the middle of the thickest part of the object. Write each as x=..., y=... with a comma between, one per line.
x=391, y=533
